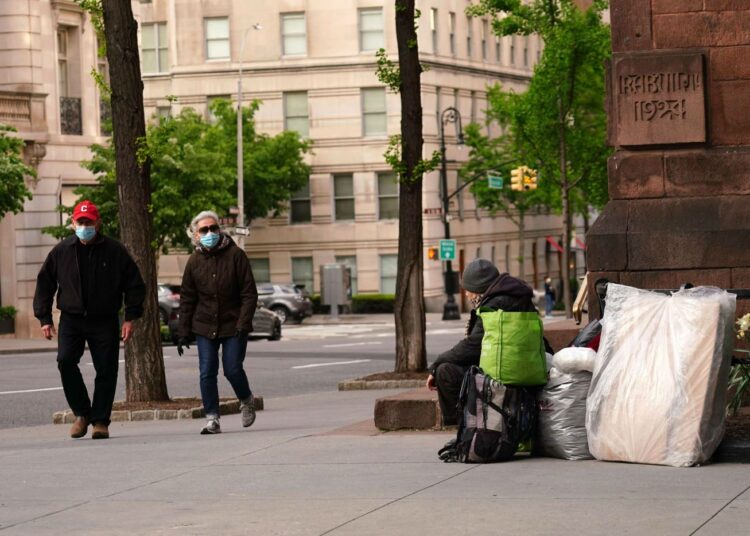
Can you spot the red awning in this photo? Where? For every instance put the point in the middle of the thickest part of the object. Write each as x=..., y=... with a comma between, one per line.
x=554, y=244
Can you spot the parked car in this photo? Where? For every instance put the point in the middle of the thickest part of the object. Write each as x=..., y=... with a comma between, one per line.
x=266, y=325
x=286, y=300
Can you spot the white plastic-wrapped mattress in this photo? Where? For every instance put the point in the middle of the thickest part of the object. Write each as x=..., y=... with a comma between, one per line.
x=659, y=383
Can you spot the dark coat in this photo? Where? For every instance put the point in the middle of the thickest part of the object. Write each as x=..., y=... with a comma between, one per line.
x=112, y=275
x=506, y=293
x=218, y=294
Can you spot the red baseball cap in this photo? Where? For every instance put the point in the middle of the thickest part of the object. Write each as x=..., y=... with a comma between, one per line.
x=86, y=209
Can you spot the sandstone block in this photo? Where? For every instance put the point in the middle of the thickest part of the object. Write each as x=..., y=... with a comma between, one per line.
x=730, y=63
x=142, y=415
x=631, y=25
x=707, y=173
x=606, y=240
x=701, y=29
x=730, y=112
x=417, y=409
x=676, y=6
x=120, y=416
x=673, y=279
x=726, y=5
x=636, y=175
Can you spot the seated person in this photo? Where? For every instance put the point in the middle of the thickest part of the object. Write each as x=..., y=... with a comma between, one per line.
x=485, y=286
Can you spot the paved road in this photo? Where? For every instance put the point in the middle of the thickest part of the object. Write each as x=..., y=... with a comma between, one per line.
x=308, y=359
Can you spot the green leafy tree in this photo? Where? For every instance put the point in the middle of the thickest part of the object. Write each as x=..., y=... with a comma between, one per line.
x=193, y=168
x=495, y=155
x=559, y=124
x=13, y=191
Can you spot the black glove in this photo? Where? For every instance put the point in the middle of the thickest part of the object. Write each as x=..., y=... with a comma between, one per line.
x=182, y=341
x=241, y=334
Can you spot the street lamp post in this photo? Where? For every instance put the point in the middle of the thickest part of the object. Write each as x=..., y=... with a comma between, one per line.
x=240, y=160
x=450, y=278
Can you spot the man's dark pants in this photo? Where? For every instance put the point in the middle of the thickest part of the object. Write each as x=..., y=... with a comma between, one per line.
x=448, y=380
x=102, y=333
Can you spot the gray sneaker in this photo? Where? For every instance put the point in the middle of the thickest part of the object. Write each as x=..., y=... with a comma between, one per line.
x=212, y=426
x=247, y=408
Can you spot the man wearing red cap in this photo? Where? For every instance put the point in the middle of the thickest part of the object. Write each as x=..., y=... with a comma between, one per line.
x=91, y=275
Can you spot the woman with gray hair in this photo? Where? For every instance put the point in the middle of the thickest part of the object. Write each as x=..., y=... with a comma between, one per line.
x=217, y=303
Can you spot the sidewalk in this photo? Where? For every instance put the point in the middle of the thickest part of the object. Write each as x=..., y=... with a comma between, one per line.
x=314, y=465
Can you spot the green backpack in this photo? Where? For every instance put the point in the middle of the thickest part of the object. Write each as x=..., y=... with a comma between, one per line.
x=513, y=347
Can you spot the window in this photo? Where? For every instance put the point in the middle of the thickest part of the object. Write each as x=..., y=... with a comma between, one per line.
x=507, y=258
x=525, y=51
x=373, y=112
x=371, y=29
x=163, y=112
x=217, y=38
x=105, y=107
x=261, y=270
x=300, y=205
x=62, y=63
x=387, y=196
x=434, y=29
x=493, y=258
x=484, y=39
x=498, y=50
x=210, y=100
x=452, y=32
x=350, y=261
x=302, y=272
x=388, y=270
x=473, y=115
x=343, y=197
x=154, y=48
x=513, y=50
x=295, y=113
x=469, y=35
x=438, y=102
x=293, y=34
x=455, y=98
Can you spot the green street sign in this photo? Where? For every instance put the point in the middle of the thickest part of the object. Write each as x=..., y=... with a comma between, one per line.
x=495, y=182
x=447, y=250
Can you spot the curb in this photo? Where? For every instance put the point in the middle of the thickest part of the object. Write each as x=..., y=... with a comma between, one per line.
x=227, y=407
x=364, y=385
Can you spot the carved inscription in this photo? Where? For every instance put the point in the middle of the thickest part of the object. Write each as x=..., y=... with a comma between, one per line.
x=659, y=99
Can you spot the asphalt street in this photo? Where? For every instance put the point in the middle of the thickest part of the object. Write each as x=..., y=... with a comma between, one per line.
x=308, y=359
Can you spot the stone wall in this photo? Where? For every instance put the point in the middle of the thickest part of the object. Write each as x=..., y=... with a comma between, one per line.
x=679, y=181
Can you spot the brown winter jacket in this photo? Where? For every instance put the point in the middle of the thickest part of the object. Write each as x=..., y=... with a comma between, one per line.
x=218, y=294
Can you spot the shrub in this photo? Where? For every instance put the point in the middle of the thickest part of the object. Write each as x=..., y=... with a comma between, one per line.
x=8, y=312
x=373, y=303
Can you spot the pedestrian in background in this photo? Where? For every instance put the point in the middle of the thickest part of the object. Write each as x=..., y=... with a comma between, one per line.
x=549, y=296
x=91, y=274
x=218, y=298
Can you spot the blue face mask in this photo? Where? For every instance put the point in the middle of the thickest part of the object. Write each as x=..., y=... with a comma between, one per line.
x=209, y=240
x=86, y=233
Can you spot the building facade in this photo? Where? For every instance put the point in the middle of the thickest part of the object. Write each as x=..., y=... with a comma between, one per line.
x=312, y=66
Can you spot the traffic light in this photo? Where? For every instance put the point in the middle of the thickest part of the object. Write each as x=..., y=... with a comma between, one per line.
x=433, y=254
x=529, y=179
x=516, y=178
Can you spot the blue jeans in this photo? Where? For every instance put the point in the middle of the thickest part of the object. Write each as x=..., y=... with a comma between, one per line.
x=232, y=356
x=549, y=304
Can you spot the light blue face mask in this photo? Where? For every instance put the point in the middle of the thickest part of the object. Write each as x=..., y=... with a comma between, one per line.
x=85, y=233
x=209, y=240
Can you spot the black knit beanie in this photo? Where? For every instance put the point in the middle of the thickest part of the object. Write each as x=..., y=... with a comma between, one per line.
x=478, y=275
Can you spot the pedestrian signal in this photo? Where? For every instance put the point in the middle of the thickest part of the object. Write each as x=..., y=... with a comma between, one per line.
x=433, y=254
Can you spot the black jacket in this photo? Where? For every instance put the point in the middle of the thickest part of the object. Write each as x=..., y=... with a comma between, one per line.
x=218, y=294
x=112, y=274
x=507, y=293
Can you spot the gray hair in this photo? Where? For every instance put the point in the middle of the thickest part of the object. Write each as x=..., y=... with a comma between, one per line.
x=194, y=223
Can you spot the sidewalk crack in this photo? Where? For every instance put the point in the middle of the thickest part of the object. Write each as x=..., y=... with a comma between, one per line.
x=720, y=510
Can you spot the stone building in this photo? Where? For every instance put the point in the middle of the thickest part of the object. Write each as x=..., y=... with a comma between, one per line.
x=319, y=82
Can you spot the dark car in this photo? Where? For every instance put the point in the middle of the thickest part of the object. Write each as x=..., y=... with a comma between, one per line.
x=266, y=325
x=286, y=300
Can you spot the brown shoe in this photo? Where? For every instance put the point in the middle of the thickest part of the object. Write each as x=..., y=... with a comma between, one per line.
x=100, y=431
x=79, y=428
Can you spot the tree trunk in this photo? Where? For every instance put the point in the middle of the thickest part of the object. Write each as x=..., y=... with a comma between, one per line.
x=566, y=213
x=144, y=362
x=409, y=311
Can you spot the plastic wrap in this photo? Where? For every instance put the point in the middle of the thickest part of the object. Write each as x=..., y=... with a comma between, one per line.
x=660, y=377
x=572, y=360
x=561, y=429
